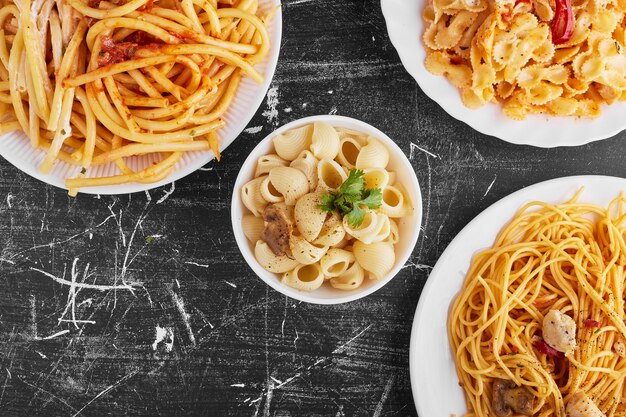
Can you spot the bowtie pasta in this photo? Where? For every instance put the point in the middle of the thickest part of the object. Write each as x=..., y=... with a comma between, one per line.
x=532, y=56
x=295, y=236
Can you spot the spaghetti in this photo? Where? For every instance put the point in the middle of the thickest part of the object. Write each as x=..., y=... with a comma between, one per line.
x=97, y=82
x=565, y=261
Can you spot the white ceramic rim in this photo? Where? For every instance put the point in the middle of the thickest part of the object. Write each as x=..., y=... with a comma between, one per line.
x=270, y=278
x=405, y=28
x=494, y=215
x=180, y=171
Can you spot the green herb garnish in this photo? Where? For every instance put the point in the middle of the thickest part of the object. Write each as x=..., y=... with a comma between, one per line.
x=63, y=131
x=192, y=133
x=149, y=240
x=83, y=171
x=618, y=47
x=352, y=198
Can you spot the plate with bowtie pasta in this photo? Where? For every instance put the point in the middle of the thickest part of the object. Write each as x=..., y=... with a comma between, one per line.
x=545, y=73
x=326, y=209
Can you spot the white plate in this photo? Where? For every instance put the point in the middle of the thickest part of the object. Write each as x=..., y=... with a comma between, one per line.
x=15, y=146
x=409, y=225
x=405, y=27
x=433, y=376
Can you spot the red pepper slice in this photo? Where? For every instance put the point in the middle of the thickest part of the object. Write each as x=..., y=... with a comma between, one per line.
x=547, y=350
x=563, y=22
x=590, y=324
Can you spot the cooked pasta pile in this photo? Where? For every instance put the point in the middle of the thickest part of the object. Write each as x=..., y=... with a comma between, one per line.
x=541, y=315
x=532, y=56
x=99, y=81
x=295, y=237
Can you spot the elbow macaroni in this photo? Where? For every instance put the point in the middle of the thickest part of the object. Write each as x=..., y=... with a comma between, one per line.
x=324, y=247
x=502, y=52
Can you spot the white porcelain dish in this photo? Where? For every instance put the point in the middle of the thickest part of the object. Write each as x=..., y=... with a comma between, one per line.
x=433, y=375
x=405, y=27
x=15, y=146
x=409, y=226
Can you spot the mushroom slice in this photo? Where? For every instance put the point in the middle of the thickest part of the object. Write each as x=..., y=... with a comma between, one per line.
x=580, y=405
x=559, y=331
x=278, y=227
x=508, y=398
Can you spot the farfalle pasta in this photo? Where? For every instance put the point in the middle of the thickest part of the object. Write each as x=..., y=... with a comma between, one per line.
x=557, y=57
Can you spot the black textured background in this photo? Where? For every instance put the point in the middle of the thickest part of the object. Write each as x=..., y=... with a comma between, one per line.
x=240, y=348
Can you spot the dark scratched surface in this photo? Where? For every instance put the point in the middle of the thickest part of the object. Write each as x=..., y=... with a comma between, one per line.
x=197, y=334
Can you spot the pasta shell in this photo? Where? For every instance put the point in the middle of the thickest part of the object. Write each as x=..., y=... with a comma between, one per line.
x=330, y=175
x=374, y=228
x=305, y=252
x=269, y=192
x=252, y=227
x=393, y=204
x=325, y=141
x=265, y=164
x=336, y=262
x=309, y=217
x=304, y=277
x=376, y=178
x=373, y=155
x=307, y=163
x=394, y=233
x=269, y=261
x=349, y=280
x=289, y=144
x=332, y=232
x=377, y=258
x=349, y=149
x=252, y=198
x=291, y=183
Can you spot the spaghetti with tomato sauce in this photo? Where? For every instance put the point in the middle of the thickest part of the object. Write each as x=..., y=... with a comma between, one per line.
x=96, y=82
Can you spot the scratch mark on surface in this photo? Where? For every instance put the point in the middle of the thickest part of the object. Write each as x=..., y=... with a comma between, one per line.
x=52, y=336
x=33, y=316
x=180, y=305
x=106, y=391
x=9, y=200
x=61, y=400
x=254, y=129
x=490, y=185
x=421, y=267
x=379, y=407
x=165, y=335
x=197, y=264
x=41, y=355
x=271, y=114
x=341, y=348
x=413, y=146
x=268, y=399
x=333, y=110
x=129, y=287
x=167, y=194
x=230, y=283
x=238, y=385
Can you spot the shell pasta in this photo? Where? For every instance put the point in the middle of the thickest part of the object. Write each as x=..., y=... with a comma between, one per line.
x=295, y=232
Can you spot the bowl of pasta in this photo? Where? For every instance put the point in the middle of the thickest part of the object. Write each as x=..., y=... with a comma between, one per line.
x=129, y=96
x=326, y=209
x=535, y=72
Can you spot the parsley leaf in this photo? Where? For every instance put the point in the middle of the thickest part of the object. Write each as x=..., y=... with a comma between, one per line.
x=149, y=240
x=352, y=199
x=372, y=198
x=354, y=184
x=83, y=171
x=328, y=202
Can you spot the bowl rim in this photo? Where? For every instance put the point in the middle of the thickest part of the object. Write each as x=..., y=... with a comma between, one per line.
x=276, y=33
x=270, y=278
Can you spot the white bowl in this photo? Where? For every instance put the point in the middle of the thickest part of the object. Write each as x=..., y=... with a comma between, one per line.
x=409, y=226
x=17, y=150
x=405, y=27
